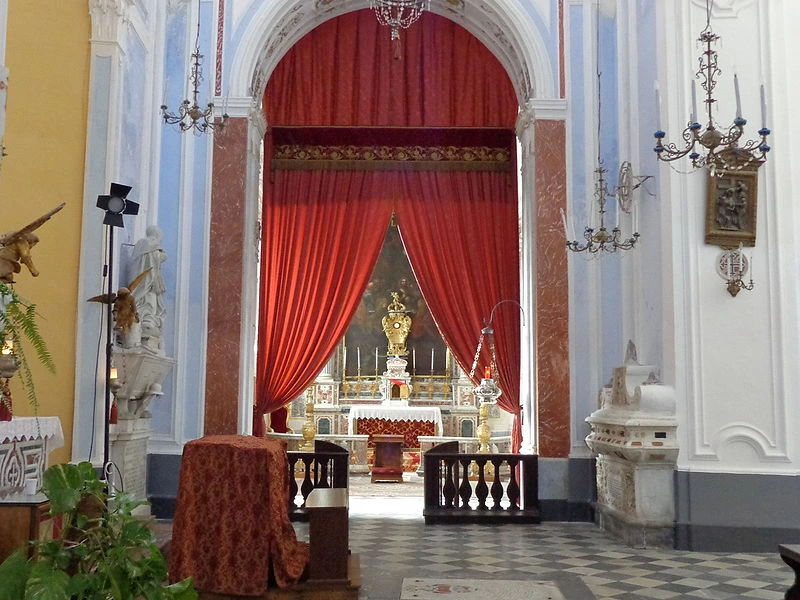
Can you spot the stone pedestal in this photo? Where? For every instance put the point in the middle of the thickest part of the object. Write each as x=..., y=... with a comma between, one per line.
x=633, y=435
x=140, y=374
x=129, y=453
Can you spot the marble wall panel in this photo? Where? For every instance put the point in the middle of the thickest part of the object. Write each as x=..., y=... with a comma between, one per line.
x=225, y=278
x=552, y=291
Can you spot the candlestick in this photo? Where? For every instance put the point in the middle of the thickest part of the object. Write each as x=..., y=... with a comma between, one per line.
x=658, y=105
x=738, y=99
x=693, y=116
x=763, y=108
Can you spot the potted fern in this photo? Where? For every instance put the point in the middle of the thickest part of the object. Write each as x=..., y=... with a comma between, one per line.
x=101, y=550
x=18, y=327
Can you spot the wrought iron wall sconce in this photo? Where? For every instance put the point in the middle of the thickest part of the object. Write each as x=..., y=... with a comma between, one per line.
x=733, y=266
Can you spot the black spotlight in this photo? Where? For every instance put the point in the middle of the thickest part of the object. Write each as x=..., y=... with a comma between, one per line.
x=116, y=204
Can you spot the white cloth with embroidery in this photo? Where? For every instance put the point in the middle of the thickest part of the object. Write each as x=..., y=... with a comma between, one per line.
x=395, y=413
x=29, y=428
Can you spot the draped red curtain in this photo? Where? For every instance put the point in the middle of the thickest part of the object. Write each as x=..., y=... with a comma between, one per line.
x=315, y=265
x=460, y=233
x=459, y=228
x=343, y=74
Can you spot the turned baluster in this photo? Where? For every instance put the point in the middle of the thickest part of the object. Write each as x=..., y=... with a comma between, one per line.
x=497, y=485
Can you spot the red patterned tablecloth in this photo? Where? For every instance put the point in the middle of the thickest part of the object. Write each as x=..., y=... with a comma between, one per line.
x=231, y=524
x=408, y=429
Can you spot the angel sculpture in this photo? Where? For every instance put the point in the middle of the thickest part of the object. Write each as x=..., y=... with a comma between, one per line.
x=15, y=248
x=124, y=305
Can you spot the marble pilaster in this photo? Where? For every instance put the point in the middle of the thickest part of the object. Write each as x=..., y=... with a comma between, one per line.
x=225, y=287
x=553, y=364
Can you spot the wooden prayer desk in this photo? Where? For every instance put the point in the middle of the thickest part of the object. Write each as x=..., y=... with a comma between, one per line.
x=231, y=529
x=23, y=518
x=388, y=463
x=328, y=534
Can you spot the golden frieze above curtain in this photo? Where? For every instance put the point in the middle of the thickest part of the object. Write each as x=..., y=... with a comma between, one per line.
x=392, y=149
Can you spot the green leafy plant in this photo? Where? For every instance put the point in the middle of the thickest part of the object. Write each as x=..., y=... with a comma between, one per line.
x=102, y=551
x=18, y=323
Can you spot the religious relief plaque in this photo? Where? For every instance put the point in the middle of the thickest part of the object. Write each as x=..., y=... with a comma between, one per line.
x=731, y=205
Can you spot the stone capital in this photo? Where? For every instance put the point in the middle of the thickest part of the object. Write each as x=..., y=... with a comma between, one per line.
x=107, y=17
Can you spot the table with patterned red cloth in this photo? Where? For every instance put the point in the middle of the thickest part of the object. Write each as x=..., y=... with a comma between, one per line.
x=408, y=421
x=231, y=526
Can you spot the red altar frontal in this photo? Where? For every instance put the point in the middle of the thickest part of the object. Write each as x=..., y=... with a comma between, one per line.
x=408, y=421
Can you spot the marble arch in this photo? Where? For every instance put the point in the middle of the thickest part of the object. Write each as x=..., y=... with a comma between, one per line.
x=512, y=36
x=505, y=30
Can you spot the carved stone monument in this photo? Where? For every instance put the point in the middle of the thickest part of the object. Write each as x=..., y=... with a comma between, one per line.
x=633, y=435
x=141, y=367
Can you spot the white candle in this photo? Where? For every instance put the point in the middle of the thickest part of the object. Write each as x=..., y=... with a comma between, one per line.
x=658, y=105
x=741, y=260
x=763, y=108
x=414, y=358
x=344, y=359
x=693, y=116
x=564, y=220
x=738, y=99
x=432, y=349
x=358, y=358
x=376, y=361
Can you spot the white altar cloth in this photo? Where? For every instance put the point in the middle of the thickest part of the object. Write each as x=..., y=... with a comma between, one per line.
x=395, y=413
x=25, y=443
x=26, y=428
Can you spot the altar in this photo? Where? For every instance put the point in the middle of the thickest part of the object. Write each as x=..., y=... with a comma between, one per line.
x=409, y=421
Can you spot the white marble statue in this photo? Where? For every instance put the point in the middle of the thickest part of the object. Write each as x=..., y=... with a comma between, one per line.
x=149, y=294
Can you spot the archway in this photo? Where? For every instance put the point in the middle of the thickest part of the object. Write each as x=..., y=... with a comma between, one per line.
x=234, y=197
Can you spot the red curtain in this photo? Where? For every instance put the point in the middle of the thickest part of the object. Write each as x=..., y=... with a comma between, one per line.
x=343, y=74
x=314, y=268
x=459, y=229
x=461, y=236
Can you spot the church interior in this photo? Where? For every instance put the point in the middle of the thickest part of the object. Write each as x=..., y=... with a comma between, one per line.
x=553, y=236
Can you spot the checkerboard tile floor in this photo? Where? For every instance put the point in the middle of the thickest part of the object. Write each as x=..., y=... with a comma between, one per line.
x=393, y=542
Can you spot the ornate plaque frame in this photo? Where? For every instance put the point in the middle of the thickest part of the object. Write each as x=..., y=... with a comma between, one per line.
x=731, y=208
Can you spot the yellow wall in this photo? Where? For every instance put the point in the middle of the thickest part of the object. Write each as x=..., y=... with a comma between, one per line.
x=47, y=53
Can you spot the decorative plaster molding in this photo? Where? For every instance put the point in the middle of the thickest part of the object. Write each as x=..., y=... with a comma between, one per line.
x=174, y=6
x=107, y=16
x=550, y=109
x=759, y=441
x=724, y=9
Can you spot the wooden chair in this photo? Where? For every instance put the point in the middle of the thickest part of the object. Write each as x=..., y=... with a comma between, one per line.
x=388, y=463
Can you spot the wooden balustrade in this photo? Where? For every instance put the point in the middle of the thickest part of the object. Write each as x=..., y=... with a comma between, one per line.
x=480, y=488
x=326, y=467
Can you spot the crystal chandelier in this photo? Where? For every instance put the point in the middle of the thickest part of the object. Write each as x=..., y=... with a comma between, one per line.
x=724, y=150
x=398, y=14
x=190, y=115
x=601, y=239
